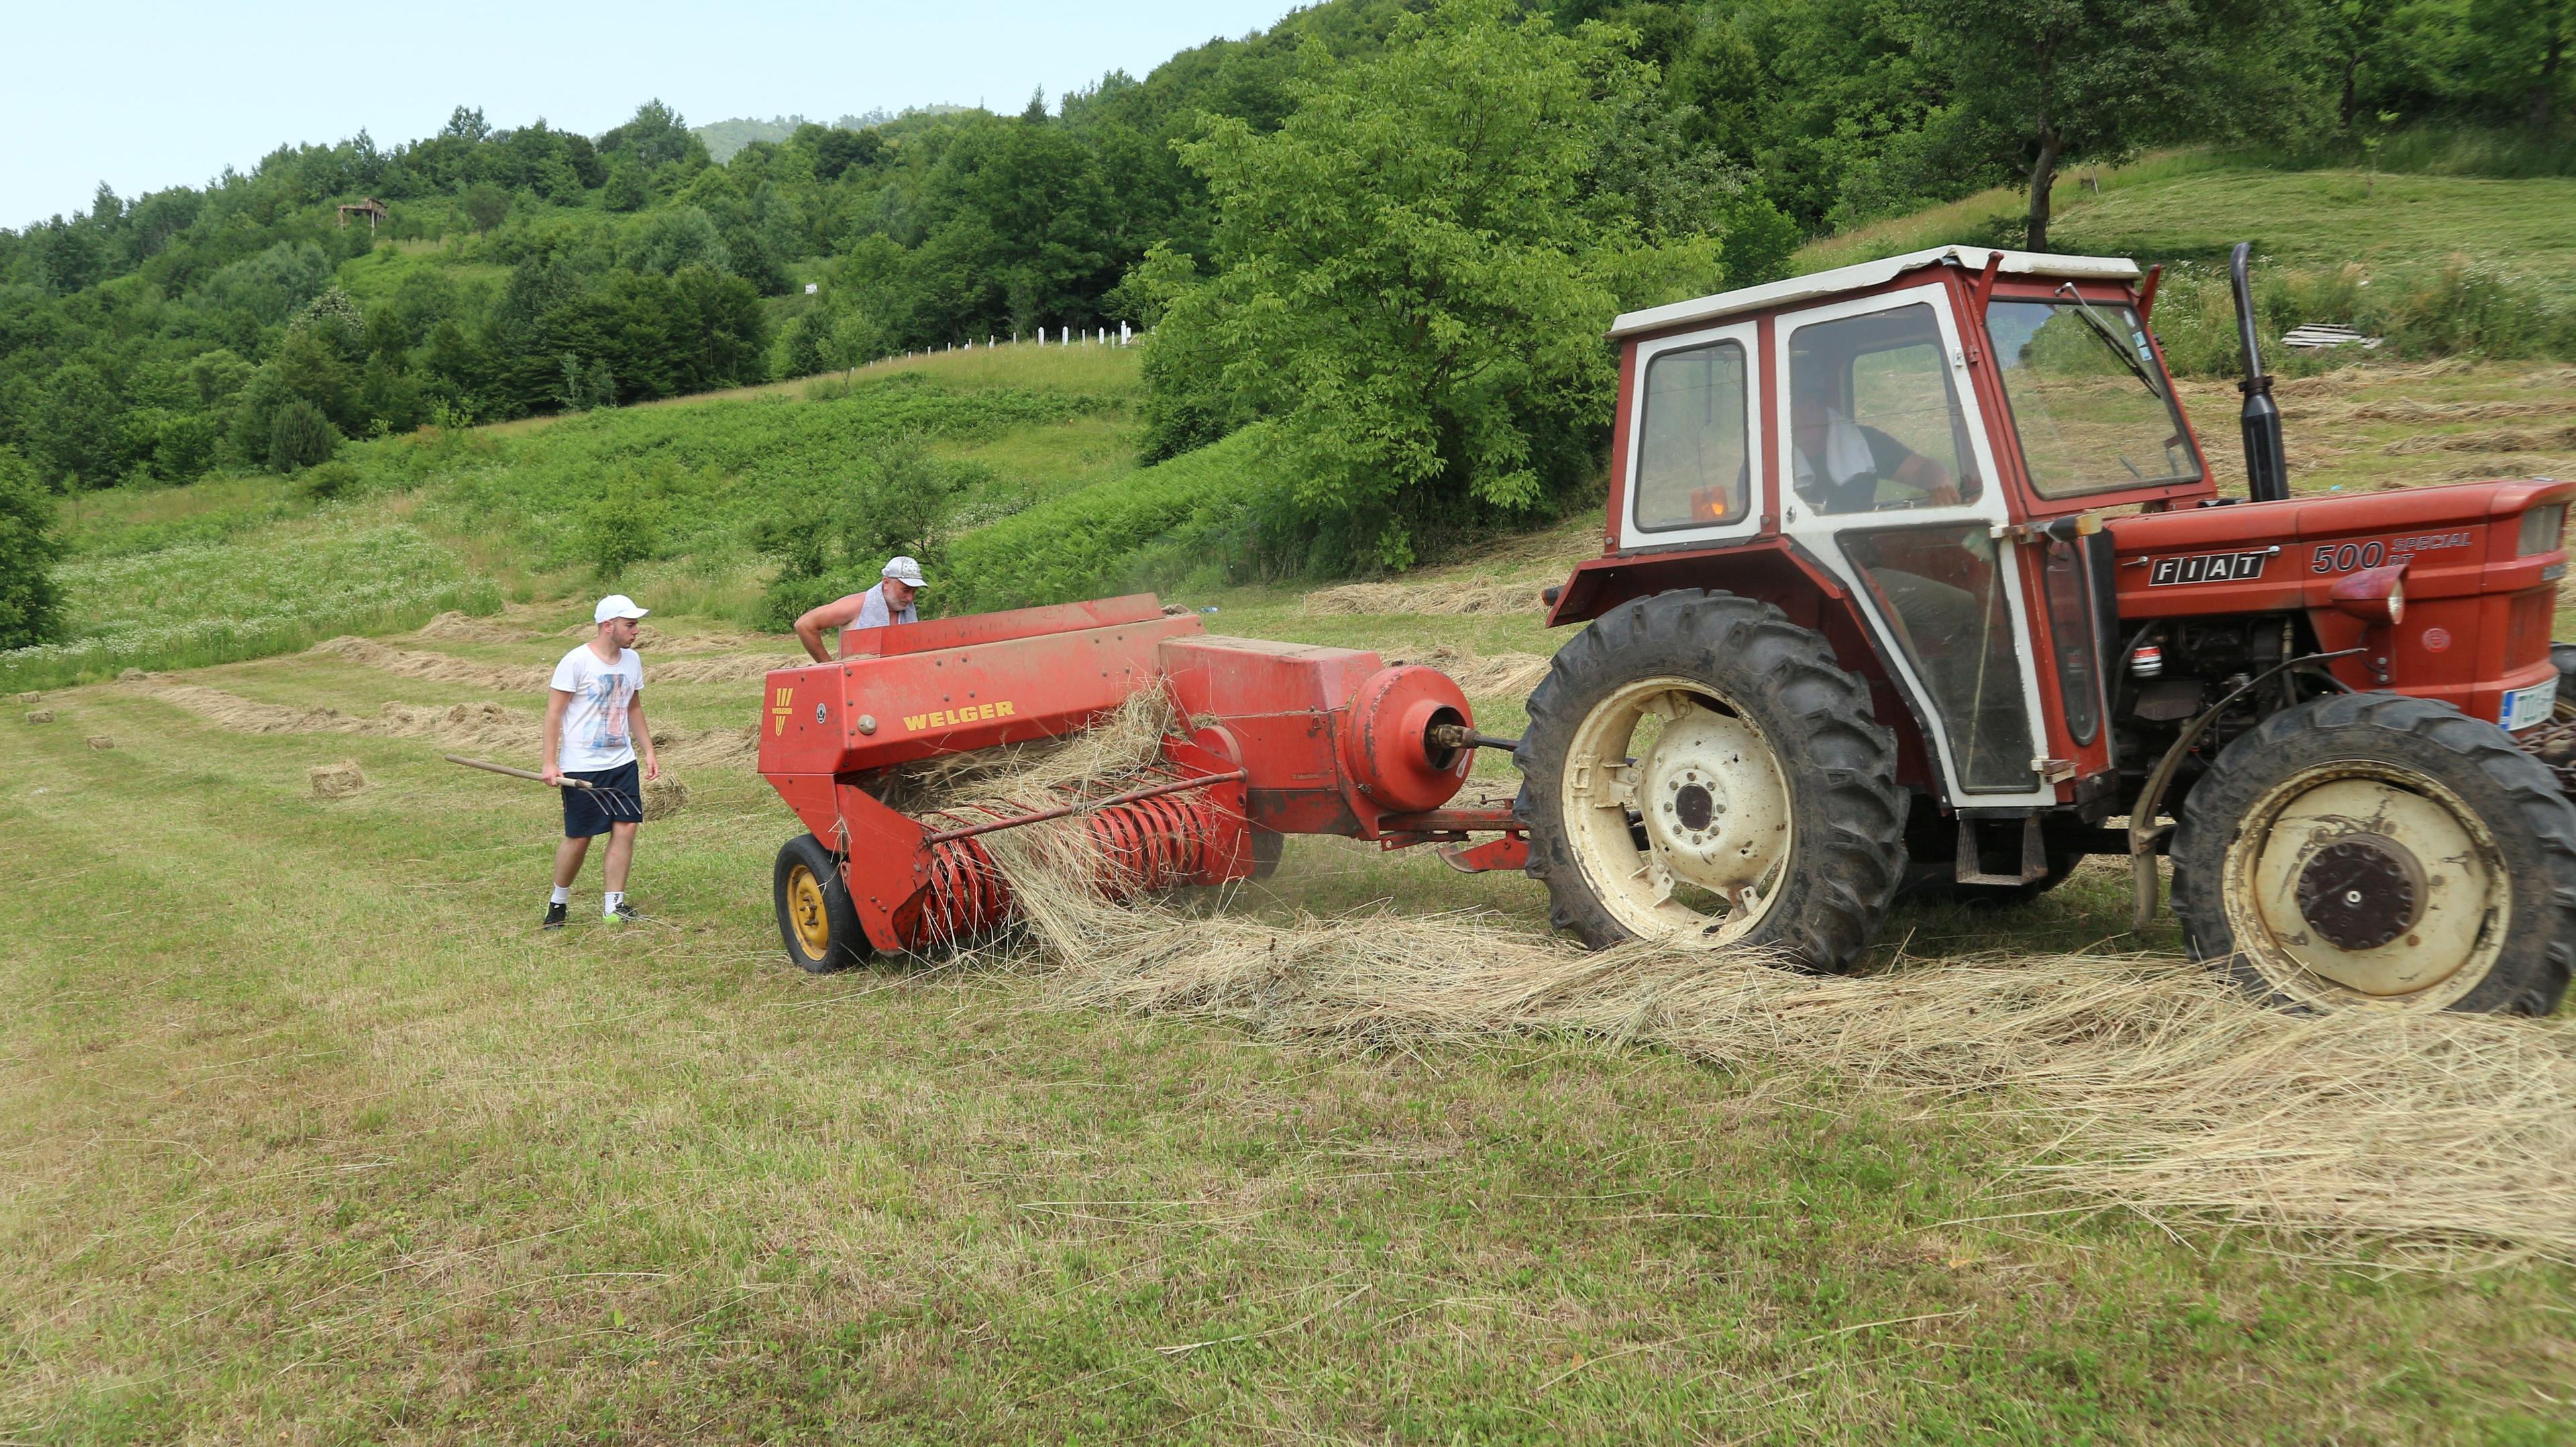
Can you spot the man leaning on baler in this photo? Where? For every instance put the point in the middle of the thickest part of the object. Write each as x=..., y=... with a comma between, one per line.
x=594, y=723
x=889, y=602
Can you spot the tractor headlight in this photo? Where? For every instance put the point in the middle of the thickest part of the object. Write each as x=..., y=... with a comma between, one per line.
x=2542, y=528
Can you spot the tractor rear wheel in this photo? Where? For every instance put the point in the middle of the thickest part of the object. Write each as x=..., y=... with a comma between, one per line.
x=1698, y=769
x=2372, y=848
x=816, y=920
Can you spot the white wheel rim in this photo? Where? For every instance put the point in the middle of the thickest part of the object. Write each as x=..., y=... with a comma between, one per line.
x=1706, y=785
x=2454, y=931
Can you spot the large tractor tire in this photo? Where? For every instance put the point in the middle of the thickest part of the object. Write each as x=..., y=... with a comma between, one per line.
x=816, y=920
x=1698, y=769
x=2371, y=848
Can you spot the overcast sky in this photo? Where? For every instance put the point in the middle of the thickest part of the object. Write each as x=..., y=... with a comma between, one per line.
x=150, y=94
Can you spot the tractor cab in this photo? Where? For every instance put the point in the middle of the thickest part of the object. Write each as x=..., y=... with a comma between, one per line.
x=1921, y=448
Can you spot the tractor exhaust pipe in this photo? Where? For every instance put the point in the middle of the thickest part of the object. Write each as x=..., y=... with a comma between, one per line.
x=2267, y=470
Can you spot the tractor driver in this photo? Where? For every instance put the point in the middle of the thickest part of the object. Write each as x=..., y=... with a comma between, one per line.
x=888, y=603
x=1841, y=463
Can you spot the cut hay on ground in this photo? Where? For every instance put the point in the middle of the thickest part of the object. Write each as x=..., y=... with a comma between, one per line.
x=2441, y=1140
x=535, y=677
x=1478, y=675
x=482, y=724
x=2502, y=439
x=455, y=627
x=2158, y=1087
x=1441, y=600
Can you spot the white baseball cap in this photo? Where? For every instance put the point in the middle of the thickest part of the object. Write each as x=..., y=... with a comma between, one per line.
x=616, y=605
x=905, y=571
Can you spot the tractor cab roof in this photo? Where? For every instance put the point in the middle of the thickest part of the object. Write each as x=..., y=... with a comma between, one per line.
x=1865, y=275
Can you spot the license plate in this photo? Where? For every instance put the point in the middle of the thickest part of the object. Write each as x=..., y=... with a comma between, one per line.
x=2523, y=707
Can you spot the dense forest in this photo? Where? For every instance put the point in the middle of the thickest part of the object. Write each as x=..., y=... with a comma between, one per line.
x=1247, y=196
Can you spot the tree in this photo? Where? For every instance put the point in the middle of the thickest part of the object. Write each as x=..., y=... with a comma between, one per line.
x=2037, y=84
x=30, y=604
x=1413, y=275
x=300, y=437
x=484, y=205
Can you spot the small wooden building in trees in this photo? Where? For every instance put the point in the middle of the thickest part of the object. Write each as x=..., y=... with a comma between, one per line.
x=369, y=207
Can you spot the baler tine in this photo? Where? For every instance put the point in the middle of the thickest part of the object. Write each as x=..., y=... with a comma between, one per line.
x=1280, y=738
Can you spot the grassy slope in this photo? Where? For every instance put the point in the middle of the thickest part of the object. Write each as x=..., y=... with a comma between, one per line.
x=2195, y=207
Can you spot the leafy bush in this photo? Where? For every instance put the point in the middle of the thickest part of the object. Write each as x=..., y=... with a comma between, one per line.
x=835, y=541
x=300, y=437
x=327, y=481
x=623, y=527
x=1193, y=514
x=30, y=604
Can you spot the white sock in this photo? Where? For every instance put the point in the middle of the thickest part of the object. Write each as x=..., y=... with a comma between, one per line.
x=611, y=900
x=563, y=894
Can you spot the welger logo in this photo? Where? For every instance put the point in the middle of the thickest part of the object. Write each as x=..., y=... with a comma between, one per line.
x=951, y=717
x=2209, y=568
x=779, y=708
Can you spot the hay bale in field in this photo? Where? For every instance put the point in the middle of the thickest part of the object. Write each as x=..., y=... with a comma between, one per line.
x=100, y=741
x=40, y=715
x=664, y=797
x=336, y=781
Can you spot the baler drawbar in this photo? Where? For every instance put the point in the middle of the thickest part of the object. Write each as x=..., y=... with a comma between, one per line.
x=1280, y=738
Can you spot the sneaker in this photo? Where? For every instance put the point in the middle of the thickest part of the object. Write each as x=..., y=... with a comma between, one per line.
x=623, y=914
x=554, y=917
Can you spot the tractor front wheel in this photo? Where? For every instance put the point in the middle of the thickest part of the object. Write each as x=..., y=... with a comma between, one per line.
x=816, y=921
x=2372, y=848
x=1699, y=770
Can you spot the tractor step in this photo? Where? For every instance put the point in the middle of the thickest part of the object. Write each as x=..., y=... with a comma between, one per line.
x=1970, y=867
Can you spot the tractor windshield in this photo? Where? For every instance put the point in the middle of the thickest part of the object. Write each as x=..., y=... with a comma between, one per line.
x=2088, y=398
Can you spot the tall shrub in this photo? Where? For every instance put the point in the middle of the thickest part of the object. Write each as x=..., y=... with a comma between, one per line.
x=30, y=604
x=300, y=437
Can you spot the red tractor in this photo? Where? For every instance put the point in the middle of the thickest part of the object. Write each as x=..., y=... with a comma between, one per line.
x=1915, y=578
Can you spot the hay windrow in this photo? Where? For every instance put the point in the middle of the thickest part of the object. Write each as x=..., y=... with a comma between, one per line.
x=2444, y=1141
x=481, y=724
x=1441, y=600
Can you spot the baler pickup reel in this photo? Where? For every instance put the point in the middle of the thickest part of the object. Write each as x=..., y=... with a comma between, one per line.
x=1274, y=739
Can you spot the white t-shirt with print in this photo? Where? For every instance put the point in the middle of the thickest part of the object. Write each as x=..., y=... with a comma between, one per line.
x=594, y=723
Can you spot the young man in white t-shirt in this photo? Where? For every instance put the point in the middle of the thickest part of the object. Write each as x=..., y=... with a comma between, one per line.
x=594, y=722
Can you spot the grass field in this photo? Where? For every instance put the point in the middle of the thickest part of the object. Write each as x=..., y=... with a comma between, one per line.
x=310, y=1136
x=2196, y=206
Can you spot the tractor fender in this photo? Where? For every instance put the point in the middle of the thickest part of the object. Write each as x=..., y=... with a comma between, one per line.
x=1777, y=571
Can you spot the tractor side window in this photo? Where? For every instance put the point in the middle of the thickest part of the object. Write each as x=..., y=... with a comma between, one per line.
x=1942, y=592
x=1692, y=467
x=1874, y=415
x=2087, y=398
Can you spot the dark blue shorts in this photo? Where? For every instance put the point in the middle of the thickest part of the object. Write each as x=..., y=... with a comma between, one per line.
x=617, y=797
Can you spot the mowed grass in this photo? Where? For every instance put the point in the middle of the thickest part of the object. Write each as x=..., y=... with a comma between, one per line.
x=311, y=1136
x=2196, y=206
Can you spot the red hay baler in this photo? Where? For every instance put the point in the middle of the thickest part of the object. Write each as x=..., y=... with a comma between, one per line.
x=1914, y=579
x=1281, y=738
